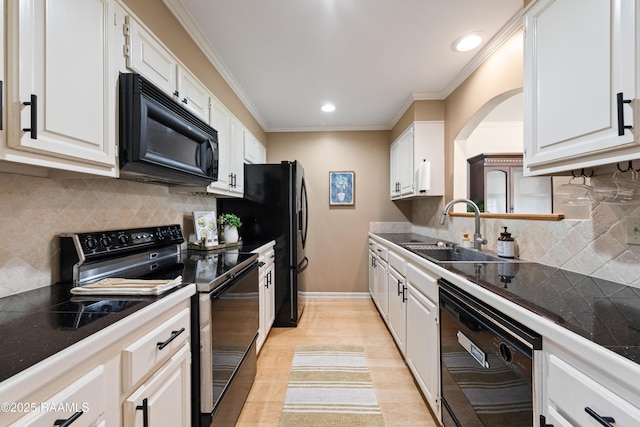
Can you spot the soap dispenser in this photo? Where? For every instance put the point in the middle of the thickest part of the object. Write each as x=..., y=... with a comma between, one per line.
x=506, y=244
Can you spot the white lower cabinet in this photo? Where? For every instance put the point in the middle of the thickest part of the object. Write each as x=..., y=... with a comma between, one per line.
x=397, y=308
x=410, y=308
x=577, y=397
x=267, y=290
x=422, y=349
x=82, y=403
x=165, y=399
x=139, y=366
x=380, y=293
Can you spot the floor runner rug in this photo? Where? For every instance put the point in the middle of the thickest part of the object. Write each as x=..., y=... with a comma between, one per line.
x=330, y=385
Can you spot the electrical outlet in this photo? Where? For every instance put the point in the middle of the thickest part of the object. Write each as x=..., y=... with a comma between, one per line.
x=633, y=230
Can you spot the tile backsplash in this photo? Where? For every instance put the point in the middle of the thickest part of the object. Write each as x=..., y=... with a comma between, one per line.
x=34, y=211
x=596, y=246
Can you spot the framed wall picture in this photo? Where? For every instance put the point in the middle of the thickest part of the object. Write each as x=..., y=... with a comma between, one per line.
x=342, y=187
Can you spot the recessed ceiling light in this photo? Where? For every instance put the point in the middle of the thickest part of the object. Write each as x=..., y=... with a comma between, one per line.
x=327, y=108
x=467, y=42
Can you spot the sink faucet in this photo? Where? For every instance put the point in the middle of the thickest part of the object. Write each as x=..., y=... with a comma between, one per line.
x=478, y=241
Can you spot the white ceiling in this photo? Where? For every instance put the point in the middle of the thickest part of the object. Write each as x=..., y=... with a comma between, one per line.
x=371, y=58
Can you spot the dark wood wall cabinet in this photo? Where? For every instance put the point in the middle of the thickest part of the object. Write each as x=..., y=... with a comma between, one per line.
x=495, y=182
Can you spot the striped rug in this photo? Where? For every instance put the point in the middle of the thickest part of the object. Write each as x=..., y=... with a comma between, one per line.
x=330, y=385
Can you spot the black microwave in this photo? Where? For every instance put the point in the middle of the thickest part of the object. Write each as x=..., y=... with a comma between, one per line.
x=160, y=141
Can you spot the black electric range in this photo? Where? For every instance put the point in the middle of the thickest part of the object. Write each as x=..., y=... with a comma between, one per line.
x=38, y=323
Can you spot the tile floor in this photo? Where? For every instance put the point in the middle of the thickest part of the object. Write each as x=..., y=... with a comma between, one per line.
x=337, y=321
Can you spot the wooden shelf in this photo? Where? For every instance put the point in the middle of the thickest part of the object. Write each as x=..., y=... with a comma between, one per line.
x=533, y=217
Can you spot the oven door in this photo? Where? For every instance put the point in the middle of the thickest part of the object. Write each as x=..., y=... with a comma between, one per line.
x=229, y=320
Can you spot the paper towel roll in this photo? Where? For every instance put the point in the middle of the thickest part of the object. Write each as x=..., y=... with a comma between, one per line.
x=424, y=176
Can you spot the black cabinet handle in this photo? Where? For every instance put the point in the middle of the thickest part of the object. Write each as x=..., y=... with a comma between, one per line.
x=261, y=264
x=605, y=421
x=34, y=116
x=68, y=421
x=404, y=293
x=145, y=412
x=185, y=101
x=621, y=125
x=543, y=422
x=176, y=93
x=399, y=283
x=174, y=335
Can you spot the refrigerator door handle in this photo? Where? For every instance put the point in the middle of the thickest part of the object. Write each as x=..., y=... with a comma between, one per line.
x=304, y=228
x=303, y=265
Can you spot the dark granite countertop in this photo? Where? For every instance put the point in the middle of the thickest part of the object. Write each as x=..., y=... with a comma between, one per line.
x=604, y=312
x=37, y=324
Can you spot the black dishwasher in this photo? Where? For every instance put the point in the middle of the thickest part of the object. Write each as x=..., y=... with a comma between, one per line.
x=486, y=362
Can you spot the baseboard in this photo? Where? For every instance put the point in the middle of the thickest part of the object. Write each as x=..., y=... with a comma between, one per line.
x=335, y=295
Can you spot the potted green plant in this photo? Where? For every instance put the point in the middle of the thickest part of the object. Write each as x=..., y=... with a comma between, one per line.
x=230, y=223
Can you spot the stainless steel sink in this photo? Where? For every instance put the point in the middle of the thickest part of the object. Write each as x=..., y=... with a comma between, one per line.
x=453, y=254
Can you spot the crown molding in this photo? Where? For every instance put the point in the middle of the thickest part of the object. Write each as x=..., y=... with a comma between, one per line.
x=189, y=24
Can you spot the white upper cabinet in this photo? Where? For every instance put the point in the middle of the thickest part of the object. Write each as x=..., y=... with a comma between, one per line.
x=192, y=94
x=417, y=161
x=147, y=56
x=578, y=56
x=61, y=85
x=221, y=121
x=254, y=151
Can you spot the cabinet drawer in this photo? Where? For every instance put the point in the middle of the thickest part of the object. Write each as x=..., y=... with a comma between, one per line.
x=382, y=252
x=571, y=391
x=84, y=399
x=424, y=283
x=153, y=349
x=398, y=263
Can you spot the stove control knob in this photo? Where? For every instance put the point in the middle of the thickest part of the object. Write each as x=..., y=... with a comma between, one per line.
x=91, y=243
x=106, y=241
x=123, y=239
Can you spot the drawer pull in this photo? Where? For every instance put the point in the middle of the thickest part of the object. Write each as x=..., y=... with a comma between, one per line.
x=68, y=421
x=145, y=412
x=174, y=335
x=605, y=421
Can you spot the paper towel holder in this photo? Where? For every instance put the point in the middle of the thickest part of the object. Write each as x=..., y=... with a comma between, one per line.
x=424, y=176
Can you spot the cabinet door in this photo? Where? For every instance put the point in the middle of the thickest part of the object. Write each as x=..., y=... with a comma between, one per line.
x=165, y=399
x=148, y=57
x=395, y=170
x=84, y=400
x=254, y=152
x=192, y=94
x=571, y=392
x=380, y=294
x=270, y=302
x=372, y=272
x=578, y=55
x=397, y=312
x=422, y=343
x=221, y=121
x=62, y=89
x=236, y=159
x=405, y=162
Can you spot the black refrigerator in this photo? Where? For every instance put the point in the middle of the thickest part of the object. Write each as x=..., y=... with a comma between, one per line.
x=275, y=207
